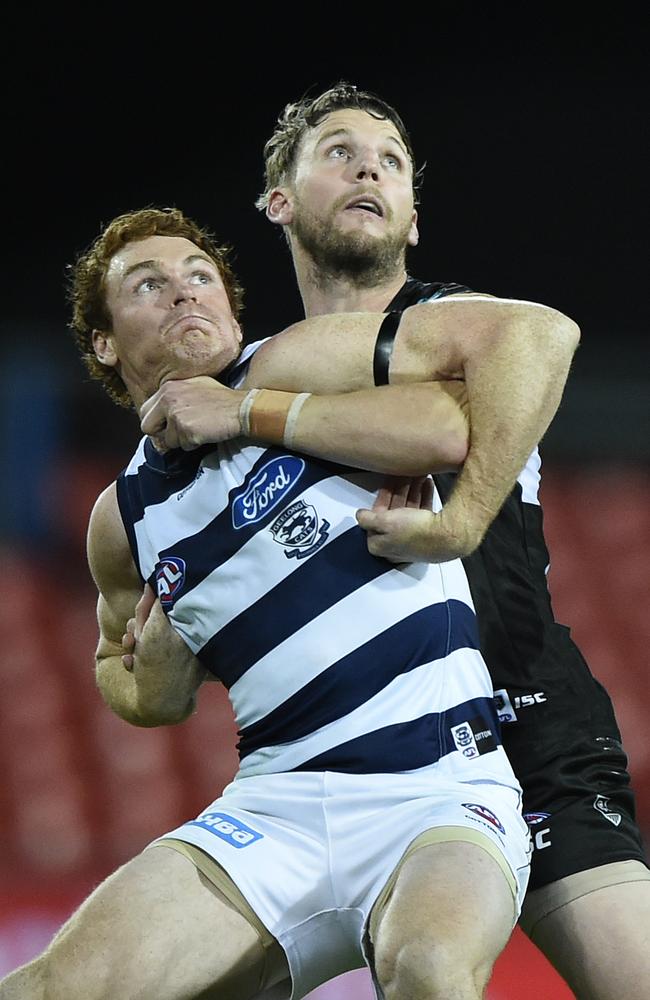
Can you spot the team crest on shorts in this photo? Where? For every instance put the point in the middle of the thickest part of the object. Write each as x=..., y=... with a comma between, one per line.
x=170, y=577
x=299, y=530
x=601, y=805
x=503, y=705
x=534, y=818
x=486, y=814
x=473, y=737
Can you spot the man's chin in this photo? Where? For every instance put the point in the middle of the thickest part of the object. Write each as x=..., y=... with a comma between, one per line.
x=198, y=363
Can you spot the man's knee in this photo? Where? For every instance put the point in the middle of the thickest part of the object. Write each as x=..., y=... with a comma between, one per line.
x=428, y=970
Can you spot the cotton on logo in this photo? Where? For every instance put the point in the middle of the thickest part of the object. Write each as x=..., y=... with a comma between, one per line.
x=485, y=814
x=170, y=577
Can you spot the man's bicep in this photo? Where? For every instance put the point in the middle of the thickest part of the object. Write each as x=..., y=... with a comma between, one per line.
x=323, y=355
x=113, y=570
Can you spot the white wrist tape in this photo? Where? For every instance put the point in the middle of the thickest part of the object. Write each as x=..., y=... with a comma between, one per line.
x=292, y=418
x=245, y=411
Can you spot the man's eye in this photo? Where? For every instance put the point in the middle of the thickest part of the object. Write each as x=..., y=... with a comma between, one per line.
x=147, y=285
x=201, y=278
x=393, y=162
x=338, y=153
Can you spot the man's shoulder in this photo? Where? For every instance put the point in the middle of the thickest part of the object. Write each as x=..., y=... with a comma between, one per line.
x=237, y=373
x=415, y=291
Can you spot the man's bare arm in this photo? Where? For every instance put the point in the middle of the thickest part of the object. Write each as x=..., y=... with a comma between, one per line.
x=402, y=430
x=159, y=685
x=514, y=357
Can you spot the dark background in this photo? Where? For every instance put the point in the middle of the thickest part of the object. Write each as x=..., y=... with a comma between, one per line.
x=533, y=133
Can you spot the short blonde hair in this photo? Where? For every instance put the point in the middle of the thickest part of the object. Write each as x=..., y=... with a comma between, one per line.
x=87, y=290
x=281, y=150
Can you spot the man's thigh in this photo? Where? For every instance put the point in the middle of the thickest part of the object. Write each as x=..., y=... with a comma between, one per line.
x=157, y=928
x=452, y=906
x=595, y=928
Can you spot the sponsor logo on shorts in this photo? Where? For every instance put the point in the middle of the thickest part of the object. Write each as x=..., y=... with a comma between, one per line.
x=266, y=490
x=540, y=838
x=233, y=831
x=507, y=707
x=473, y=737
x=299, y=530
x=601, y=805
x=485, y=814
x=170, y=577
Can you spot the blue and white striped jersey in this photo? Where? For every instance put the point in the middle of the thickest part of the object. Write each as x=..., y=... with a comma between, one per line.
x=334, y=659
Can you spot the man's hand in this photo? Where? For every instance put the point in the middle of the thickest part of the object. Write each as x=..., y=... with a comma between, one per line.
x=166, y=673
x=186, y=413
x=402, y=527
x=150, y=633
x=135, y=625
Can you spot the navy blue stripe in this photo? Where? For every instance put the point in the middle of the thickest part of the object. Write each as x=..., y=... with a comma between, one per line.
x=337, y=570
x=218, y=541
x=126, y=502
x=428, y=634
x=406, y=745
x=159, y=476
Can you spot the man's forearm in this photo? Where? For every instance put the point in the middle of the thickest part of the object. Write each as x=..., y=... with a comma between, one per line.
x=513, y=356
x=515, y=359
x=142, y=703
x=400, y=430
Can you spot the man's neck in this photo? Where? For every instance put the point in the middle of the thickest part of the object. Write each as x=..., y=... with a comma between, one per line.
x=322, y=293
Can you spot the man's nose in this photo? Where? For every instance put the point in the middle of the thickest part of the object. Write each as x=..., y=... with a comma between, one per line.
x=183, y=291
x=369, y=165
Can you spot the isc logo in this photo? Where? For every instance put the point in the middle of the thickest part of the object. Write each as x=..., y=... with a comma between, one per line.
x=232, y=831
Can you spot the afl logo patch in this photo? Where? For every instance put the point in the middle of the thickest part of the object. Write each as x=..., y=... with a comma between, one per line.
x=534, y=818
x=485, y=814
x=170, y=577
x=265, y=490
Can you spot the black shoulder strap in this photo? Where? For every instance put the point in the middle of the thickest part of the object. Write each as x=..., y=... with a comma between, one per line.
x=384, y=347
x=411, y=292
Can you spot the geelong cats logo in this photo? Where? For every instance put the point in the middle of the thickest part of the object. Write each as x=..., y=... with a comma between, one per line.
x=299, y=530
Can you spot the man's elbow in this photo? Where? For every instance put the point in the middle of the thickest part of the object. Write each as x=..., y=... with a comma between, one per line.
x=559, y=332
x=456, y=449
x=567, y=332
x=448, y=455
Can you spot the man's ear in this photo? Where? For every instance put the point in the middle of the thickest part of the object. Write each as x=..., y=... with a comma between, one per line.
x=414, y=235
x=279, y=208
x=104, y=348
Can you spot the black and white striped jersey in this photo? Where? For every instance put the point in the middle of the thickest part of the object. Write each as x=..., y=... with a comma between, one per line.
x=334, y=659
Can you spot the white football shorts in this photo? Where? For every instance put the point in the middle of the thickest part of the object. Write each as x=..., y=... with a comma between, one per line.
x=312, y=851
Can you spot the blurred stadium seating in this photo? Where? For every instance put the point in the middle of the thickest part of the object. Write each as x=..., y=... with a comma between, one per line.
x=82, y=791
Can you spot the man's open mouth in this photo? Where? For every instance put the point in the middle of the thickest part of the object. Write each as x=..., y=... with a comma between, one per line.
x=367, y=204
